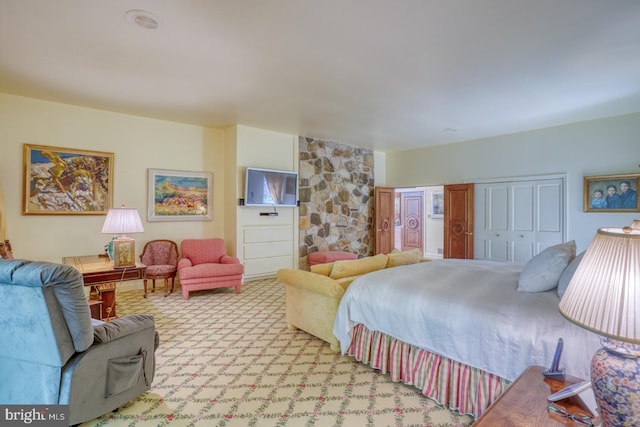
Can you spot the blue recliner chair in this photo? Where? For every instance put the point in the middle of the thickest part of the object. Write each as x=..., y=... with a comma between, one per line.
x=52, y=352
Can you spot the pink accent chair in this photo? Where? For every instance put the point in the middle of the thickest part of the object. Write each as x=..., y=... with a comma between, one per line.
x=206, y=265
x=161, y=259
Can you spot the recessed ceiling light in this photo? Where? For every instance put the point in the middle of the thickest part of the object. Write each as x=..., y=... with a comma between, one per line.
x=142, y=18
x=452, y=129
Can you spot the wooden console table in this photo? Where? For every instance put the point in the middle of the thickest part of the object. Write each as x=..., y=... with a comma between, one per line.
x=99, y=273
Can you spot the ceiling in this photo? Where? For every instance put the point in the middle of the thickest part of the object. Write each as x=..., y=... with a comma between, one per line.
x=388, y=75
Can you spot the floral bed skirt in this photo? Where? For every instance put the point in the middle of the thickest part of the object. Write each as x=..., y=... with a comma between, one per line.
x=450, y=383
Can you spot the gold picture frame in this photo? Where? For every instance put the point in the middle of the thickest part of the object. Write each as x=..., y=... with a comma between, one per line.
x=66, y=181
x=124, y=251
x=175, y=195
x=611, y=193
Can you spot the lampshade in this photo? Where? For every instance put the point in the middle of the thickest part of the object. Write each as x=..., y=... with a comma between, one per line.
x=604, y=293
x=122, y=221
x=119, y=222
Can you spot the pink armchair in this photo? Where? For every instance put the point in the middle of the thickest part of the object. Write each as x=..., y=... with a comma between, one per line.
x=161, y=258
x=206, y=265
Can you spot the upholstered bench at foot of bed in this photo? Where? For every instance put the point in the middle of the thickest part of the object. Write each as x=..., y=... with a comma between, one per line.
x=324, y=257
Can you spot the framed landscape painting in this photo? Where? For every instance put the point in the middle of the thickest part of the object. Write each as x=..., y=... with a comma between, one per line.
x=179, y=195
x=611, y=193
x=66, y=181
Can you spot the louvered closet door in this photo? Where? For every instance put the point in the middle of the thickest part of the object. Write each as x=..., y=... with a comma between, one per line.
x=516, y=220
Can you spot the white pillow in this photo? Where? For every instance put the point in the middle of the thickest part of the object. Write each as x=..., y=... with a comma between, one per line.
x=567, y=274
x=542, y=272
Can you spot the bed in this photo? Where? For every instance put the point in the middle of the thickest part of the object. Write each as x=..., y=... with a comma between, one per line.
x=459, y=330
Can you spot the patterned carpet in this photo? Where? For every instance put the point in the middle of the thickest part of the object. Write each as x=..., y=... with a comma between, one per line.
x=228, y=359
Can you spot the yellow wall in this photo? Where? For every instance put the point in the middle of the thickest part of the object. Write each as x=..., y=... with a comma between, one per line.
x=138, y=144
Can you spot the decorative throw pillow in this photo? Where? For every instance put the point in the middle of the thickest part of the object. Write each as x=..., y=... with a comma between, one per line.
x=567, y=274
x=324, y=269
x=542, y=272
x=403, y=258
x=357, y=267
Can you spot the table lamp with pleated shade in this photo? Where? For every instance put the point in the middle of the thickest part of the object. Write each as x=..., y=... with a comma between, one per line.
x=120, y=222
x=604, y=297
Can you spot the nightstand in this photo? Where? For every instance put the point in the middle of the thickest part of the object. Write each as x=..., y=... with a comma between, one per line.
x=524, y=403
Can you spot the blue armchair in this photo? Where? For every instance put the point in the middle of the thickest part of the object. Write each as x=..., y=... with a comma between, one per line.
x=52, y=352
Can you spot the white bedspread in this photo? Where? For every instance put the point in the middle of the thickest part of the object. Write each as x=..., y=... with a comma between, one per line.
x=468, y=311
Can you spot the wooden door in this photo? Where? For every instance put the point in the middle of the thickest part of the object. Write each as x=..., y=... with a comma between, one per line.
x=384, y=221
x=412, y=203
x=458, y=221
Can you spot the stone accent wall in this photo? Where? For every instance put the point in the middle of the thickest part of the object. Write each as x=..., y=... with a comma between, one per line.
x=336, y=198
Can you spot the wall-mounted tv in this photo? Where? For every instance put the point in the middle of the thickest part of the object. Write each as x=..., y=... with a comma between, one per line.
x=269, y=187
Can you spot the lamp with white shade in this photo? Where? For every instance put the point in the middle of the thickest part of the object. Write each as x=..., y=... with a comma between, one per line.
x=120, y=222
x=604, y=297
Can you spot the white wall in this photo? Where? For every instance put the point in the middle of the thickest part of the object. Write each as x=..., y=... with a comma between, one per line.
x=138, y=143
x=434, y=227
x=599, y=147
x=379, y=168
x=264, y=243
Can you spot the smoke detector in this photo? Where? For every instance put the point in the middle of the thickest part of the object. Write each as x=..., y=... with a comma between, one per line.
x=141, y=18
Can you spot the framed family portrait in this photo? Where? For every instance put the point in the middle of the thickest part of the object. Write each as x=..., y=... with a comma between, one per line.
x=611, y=193
x=179, y=195
x=66, y=181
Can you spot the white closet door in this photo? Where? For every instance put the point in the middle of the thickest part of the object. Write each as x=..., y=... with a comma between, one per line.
x=522, y=211
x=491, y=219
x=517, y=219
x=550, y=227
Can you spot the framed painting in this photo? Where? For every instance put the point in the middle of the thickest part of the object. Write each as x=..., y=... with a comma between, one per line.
x=437, y=204
x=179, y=195
x=611, y=193
x=66, y=181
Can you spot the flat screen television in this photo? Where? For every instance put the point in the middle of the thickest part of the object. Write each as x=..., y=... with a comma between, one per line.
x=270, y=187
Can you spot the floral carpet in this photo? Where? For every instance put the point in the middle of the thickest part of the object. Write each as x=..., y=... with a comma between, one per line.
x=228, y=359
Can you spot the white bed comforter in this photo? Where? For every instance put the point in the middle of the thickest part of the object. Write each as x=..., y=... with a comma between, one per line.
x=469, y=311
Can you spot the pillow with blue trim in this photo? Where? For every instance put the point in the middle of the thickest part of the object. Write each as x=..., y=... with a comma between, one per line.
x=567, y=274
